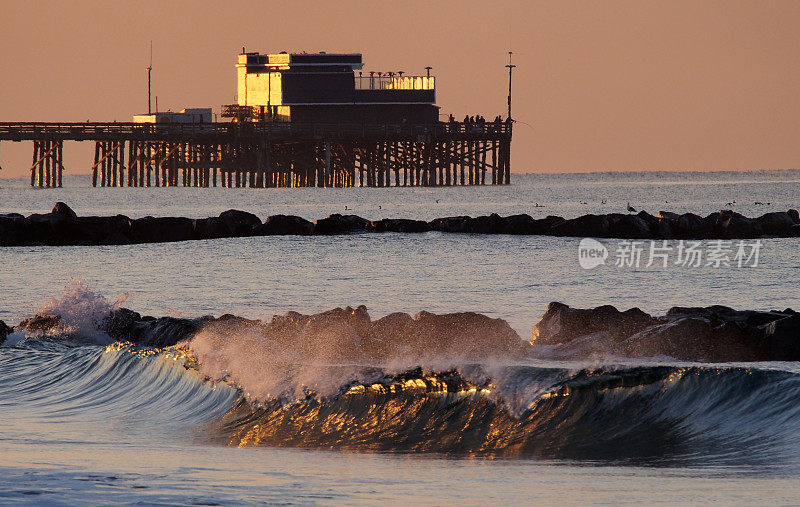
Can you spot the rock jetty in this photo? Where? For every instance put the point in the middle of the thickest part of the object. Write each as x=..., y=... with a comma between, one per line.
x=342, y=333
x=708, y=334
x=62, y=226
x=702, y=334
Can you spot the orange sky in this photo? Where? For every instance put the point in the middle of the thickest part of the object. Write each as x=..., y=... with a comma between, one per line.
x=612, y=85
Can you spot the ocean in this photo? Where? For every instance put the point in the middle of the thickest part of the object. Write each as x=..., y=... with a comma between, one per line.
x=85, y=421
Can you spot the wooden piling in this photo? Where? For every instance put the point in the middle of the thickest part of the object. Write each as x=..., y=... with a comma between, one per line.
x=40, y=181
x=284, y=156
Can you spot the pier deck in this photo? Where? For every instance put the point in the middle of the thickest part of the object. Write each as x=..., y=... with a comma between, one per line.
x=274, y=154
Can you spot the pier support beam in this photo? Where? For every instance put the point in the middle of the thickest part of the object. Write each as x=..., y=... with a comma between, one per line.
x=47, y=168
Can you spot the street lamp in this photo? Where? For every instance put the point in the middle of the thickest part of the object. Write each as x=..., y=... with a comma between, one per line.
x=510, y=67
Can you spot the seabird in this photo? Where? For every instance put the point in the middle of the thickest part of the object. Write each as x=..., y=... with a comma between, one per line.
x=631, y=209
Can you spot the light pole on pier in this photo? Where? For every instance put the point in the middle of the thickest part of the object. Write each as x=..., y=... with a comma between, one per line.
x=149, y=68
x=510, y=67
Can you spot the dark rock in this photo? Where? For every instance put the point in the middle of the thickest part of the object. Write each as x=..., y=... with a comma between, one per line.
x=794, y=215
x=736, y=226
x=525, y=224
x=782, y=338
x=229, y=317
x=547, y=223
x=692, y=338
x=701, y=311
x=40, y=323
x=96, y=230
x=720, y=314
x=596, y=226
x=162, y=332
x=209, y=228
x=450, y=224
x=492, y=224
x=519, y=224
x=663, y=229
x=14, y=230
x=337, y=334
x=157, y=230
x=629, y=226
x=115, y=238
x=690, y=226
x=464, y=334
x=119, y=323
x=562, y=324
x=239, y=223
x=650, y=220
x=340, y=224
x=49, y=228
x=777, y=223
x=62, y=209
x=282, y=225
x=399, y=225
x=728, y=224
x=5, y=330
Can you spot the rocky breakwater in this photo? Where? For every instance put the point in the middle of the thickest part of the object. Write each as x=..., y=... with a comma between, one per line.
x=709, y=334
x=338, y=334
x=725, y=224
x=62, y=226
x=704, y=334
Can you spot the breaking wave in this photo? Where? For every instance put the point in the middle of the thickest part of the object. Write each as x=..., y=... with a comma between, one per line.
x=654, y=414
x=89, y=385
x=299, y=384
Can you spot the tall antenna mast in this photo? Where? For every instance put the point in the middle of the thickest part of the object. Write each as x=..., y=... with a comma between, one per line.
x=510, y=67
x=149, y=68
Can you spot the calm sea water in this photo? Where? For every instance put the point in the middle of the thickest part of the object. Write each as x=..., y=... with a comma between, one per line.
x=81, y=423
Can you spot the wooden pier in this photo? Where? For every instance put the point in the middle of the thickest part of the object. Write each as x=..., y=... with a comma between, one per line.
x=274, y=154
x=47, y=169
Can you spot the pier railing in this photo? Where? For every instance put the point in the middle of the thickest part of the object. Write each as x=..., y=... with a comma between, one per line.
x=395, y=83
x=92, y=131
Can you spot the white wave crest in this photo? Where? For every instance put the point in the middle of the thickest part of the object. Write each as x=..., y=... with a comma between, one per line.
x=80, y=311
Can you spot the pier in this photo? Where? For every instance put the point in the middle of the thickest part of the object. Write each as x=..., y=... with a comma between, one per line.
x=301, y=120
x=273, y=154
